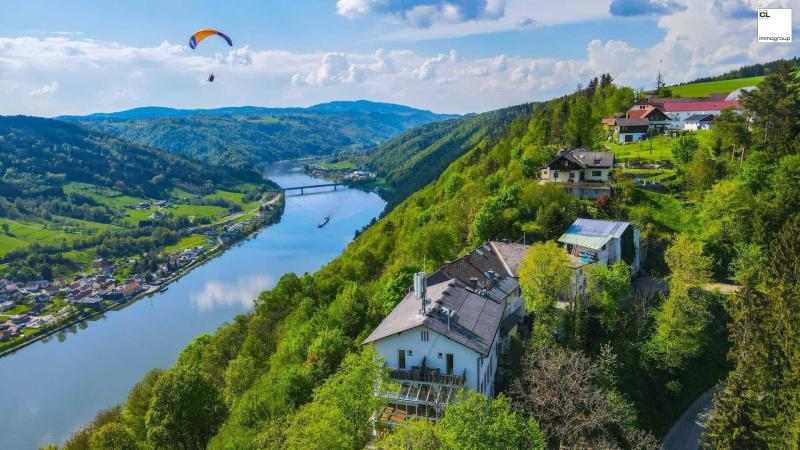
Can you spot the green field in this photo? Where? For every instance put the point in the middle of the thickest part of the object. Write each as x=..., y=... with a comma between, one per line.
x=664, y=210
x=340, y=165
x=188, y=242
x=651, y=174
x=658, y=148
x=713, y=87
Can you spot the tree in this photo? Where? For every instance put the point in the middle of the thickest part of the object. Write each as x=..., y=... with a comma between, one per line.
x=732, y=129
x=186, y=410
x=545, y=277
x=580, y=125
x=562, y=390
x=339, y=415
x=682, y=319
x=6, y=228
x=138, y=402
x=759, y=406
x=684, y=148
x=417, y=434
x=607, y=288
x=113, y=436
x=476, y=422
x=773, y=109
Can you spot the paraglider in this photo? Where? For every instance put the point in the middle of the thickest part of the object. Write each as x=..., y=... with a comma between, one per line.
x=201, y=35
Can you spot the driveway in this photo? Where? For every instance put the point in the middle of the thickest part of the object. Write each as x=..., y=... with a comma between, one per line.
x=685, y=433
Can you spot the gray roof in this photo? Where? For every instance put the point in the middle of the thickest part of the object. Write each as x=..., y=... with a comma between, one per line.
x=699, y=118
x=633, y=122
x=585, y=159
x=474, y=324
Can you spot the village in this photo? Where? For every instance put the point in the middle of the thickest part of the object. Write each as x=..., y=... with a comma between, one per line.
x=31, y=309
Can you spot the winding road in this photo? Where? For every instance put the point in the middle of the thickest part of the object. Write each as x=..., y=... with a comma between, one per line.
x=685, y=434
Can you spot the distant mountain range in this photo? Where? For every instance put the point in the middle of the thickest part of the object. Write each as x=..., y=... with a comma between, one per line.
x=249, y=135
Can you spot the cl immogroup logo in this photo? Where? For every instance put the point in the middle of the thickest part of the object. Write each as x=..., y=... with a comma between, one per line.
x=775, y=25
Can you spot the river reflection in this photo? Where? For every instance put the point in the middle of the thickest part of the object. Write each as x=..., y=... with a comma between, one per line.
x=243, y=292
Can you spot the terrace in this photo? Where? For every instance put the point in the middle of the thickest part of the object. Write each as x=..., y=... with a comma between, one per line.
x=419, y=392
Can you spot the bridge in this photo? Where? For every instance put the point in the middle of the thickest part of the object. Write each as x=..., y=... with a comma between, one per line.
x=311, y=186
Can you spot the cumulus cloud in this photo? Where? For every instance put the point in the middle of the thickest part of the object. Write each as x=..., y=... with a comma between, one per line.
x=45, y=91
x=628, y=8
x=424, y=13
x=105, y=76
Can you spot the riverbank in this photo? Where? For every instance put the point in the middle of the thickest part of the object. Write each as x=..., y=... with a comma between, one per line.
x=277, y=206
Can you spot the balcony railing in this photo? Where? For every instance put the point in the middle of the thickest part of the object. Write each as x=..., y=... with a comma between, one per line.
x=427, y=375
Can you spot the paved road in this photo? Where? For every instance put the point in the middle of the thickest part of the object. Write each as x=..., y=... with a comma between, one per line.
x=685, y=433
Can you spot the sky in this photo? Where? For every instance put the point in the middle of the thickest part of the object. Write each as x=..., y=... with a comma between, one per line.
x=456, y=56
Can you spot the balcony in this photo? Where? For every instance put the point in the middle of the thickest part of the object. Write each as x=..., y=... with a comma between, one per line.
x=425, y=374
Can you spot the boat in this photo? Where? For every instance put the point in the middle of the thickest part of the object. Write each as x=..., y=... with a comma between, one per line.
x=323, y=222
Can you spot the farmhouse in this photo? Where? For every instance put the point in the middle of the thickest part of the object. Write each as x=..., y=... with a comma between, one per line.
x=632, y=129
x=585, y=173
x=699, y=122
x=449, y=332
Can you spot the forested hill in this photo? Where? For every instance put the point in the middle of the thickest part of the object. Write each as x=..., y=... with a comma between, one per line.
x=247, y=136
x=39, y=156
x=293, y=373
x=416, y=157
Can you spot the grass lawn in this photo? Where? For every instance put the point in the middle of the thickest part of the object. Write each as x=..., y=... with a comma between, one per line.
x=651, y=174
x=713, y=87
x=21, y=234
x=656, y=149
x=188, y=242
x=661, y=149
x=667, y=212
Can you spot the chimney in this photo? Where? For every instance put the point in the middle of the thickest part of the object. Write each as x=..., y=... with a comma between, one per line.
x=420, y=288
x=473, y=282
x=492, y=278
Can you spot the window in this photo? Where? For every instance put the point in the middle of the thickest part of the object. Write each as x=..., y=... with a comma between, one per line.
x=555, y=175
x=449, y=363
x=424, y=335
x=596, y=173
x=401, y=359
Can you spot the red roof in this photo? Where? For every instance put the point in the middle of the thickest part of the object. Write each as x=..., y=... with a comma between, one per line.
x=609, y=121
x=673, y=106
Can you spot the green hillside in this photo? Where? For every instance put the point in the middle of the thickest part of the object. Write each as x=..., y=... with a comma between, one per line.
x=415, y=158
x=246, y=136
x=713, y=87
x=66, y=190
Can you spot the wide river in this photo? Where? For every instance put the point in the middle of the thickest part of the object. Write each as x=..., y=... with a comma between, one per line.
x=51, y=388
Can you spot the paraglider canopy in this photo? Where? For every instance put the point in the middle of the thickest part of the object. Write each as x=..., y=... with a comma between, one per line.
x=199, y=36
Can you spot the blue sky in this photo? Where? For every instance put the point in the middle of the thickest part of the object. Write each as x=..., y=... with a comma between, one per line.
x=80, y=56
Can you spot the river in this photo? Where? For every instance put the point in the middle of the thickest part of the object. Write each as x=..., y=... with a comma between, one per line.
x=51, y=388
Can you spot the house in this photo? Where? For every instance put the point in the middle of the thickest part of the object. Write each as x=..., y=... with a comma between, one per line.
x=679, y=109
x=590, y=241
x=447, y=334
x=658, y=120
x=609, y=127
x=130, y=289
x=585, y=173
x=632, y=129
x=699, y=122
x=6, y=305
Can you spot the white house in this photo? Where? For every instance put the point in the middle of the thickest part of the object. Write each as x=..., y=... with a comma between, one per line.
x=602, y=241
x=679, y=111
x=699, y=122
x=448, y=333
x=584, y=173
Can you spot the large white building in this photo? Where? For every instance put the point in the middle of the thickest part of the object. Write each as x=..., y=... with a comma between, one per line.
x=449, y=332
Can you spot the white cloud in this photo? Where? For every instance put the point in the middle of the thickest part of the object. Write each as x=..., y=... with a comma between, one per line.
x=45, y=91
x=105, y=76
x=424, y=13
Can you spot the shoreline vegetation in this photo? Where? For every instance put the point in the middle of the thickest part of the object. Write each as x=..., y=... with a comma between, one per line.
x=86, y=314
